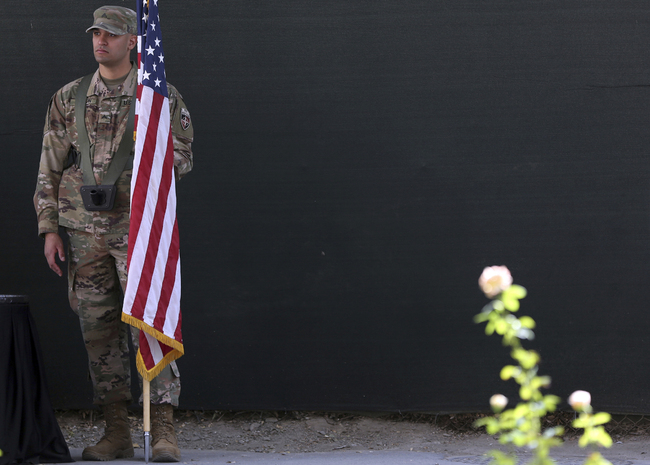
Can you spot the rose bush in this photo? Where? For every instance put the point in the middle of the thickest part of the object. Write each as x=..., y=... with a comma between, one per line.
x=521, y=426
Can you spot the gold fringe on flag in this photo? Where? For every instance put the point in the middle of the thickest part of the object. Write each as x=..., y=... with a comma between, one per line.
x=175, y=354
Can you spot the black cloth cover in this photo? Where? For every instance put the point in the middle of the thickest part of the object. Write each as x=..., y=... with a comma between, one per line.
x=29, y=431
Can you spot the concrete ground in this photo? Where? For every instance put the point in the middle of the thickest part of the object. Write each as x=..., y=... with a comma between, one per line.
x=632, y=453
x=261, y=438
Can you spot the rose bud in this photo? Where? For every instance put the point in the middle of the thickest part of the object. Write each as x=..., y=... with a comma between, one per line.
x=498, y=402
x=579, y=400
x=494, y=280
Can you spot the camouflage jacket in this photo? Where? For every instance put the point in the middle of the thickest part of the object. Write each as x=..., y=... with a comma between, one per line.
x=57, y=199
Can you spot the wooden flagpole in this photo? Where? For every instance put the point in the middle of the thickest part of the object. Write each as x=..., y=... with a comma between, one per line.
x=146, y=417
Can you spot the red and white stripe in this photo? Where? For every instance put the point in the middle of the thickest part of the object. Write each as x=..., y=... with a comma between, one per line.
x=153, y=292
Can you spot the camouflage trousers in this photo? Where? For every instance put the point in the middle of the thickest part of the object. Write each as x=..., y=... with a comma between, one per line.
x=96, y=281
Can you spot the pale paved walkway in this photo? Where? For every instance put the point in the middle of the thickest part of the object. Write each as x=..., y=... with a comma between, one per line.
x=568, y=456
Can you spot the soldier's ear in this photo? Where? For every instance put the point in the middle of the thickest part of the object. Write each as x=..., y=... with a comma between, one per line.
x=133, y=40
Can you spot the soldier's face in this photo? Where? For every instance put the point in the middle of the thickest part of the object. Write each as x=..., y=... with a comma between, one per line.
x=111, y=49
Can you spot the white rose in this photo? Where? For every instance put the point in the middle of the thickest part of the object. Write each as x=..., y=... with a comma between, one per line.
x=494, y=280
x=498, y=402
x=579, y=400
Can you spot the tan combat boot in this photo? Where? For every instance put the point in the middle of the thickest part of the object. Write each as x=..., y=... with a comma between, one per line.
x=164, y=446
x=116, y=442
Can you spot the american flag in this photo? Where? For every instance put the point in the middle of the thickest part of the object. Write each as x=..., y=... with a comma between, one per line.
x=153, y=291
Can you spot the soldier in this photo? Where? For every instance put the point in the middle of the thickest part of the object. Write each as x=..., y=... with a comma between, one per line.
x=97, y=239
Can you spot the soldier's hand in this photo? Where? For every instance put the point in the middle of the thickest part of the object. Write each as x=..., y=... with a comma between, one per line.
x=54, y=247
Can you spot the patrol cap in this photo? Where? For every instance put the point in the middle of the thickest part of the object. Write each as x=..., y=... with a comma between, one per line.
x=115, y=19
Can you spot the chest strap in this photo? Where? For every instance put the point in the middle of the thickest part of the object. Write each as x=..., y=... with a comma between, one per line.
x=122, y=159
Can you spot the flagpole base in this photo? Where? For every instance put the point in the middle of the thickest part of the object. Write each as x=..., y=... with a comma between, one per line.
x=147, y=443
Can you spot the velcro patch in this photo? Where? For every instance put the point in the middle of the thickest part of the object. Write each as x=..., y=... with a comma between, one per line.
x=185, y=119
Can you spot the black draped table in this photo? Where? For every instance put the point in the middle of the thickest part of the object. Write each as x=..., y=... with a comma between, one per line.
x=29, y=431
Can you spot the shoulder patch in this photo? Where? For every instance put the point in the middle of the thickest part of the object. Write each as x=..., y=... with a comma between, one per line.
x=185, y=119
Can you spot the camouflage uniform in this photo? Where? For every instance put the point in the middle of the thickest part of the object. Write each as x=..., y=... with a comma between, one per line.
x=98, y=240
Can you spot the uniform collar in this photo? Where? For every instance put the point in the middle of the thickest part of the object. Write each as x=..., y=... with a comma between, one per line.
x=126, y=88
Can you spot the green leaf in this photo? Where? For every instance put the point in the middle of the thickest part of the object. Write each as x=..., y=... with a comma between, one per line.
x=527, y=322
x=527, y=358
x=484, y=421
x=515, y=292
x=580, y=422
x=555, y=431
x=502, y=459
x=525, y=333
x=604, y=439
x=520, y=441
x=520, y=291
x=488, y=308
x=601, y=418
x=492, y=429
x=596, y=459
x=550, y=402
x=511, y=303
x=481, y=317
x=508, y=372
